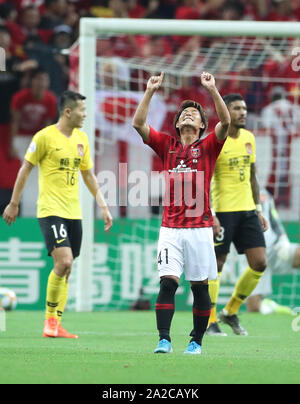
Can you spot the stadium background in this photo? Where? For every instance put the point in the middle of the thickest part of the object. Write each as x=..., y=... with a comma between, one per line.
x=35, y=34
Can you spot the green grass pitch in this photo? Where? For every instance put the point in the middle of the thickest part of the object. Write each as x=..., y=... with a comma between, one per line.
x=117, y=348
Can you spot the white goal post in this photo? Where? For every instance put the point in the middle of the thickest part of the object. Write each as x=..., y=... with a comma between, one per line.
x=90, y=28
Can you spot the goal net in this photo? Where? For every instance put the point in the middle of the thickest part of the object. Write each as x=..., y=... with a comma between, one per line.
x=111, y=65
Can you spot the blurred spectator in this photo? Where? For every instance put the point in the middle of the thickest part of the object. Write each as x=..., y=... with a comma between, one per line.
x=122, y=46
x=72, y=16
x=101, y=9
x=10, y=81
x=119, y=8
x=154, y=45
x=20, y=4
x=81, y=7
x=188, y=10
x=135, y=9
x=210, y=8
x=29, y=25
x=62, y=37
x=54, y=14
x=8, y=13
x=50, y=57
x=256, y=9
x=281, y=119
x=9, y=84
x=159, y=9
x=281, y=10
x=232, y=10
x=108, y=9
x=31, y=110
x=8, y=18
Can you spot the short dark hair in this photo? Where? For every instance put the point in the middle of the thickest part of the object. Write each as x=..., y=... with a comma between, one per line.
x=69, y=99
x=235, y=5
x=229, y=98
x=187, y=104
x=38, y=70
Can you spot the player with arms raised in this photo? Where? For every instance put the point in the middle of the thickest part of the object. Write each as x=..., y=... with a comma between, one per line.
x=186, y=236
x=61, y=151
x=236, y=201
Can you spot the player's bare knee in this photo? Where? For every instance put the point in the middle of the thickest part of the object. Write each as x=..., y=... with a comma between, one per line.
x=65, y=264
x=259, y=265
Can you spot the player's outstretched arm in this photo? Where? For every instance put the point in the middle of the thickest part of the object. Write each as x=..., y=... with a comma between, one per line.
x=140, y=116
x=208, y=82
x=12, y=209
x=90, y=181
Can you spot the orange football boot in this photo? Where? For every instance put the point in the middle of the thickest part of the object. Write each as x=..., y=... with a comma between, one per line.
x=62, y=333
x=50, y=328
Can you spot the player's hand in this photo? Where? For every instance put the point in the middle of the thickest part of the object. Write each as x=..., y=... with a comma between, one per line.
x=107, y=217
x=263, y=221
x=155, y=82
x=10, y=213
x=208, y=81
x=217, y=226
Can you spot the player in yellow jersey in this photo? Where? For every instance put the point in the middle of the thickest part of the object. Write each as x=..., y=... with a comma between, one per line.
x=61, y=151
x=238, y=219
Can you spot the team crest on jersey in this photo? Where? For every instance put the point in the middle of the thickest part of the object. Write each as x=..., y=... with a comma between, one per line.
x=80, y=150
x=195, y=153
x=249, y=148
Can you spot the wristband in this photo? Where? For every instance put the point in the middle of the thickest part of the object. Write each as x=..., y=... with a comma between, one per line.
x=213, y=212
x=258, y=208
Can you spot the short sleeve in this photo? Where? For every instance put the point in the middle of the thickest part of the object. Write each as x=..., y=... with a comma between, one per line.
x=37, y=149
x=253, y=155
x=214, y=144
x=159, y=142
x=86, y=162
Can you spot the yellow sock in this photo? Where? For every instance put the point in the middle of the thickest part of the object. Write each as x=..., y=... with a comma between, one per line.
x=54, y=289
x=214, y=288
x=63, y=300
x=244, y=287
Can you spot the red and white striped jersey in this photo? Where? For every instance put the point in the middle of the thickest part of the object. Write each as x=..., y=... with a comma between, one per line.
x=188, y=172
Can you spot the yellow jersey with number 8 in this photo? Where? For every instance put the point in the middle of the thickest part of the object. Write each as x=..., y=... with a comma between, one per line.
x=231, y=185
x=59, y=158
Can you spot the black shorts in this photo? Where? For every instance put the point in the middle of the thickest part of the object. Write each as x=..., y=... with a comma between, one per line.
x=244, y=229
x=59, y=232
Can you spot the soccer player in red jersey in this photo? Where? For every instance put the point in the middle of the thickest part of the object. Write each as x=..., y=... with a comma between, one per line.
x=186, y=236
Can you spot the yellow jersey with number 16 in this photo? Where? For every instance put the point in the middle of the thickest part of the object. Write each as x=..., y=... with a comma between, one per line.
x=231, y=189
x=59, y=158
